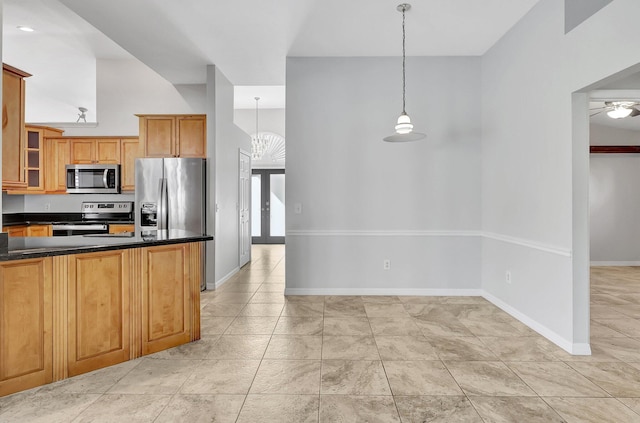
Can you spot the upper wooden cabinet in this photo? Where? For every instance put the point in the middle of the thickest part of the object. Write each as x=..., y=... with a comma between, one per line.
x=85, y=151
x=173, y=135
x=60, y=152
x=35, y=156
x=130, y=150
x=57, y=156
x=13, y=84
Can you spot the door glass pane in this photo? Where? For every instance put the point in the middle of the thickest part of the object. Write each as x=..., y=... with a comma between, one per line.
x=256, y=204
x=277, y=204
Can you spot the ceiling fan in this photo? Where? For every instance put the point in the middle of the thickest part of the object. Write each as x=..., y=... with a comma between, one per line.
x=619, y=109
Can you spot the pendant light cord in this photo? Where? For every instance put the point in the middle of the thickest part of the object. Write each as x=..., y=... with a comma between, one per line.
x=257, y=98
x=403, y=66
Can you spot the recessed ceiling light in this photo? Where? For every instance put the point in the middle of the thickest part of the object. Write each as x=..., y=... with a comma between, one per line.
x=25, y=28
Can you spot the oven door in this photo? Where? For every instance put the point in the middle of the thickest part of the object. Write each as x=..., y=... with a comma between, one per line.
x=79, y=229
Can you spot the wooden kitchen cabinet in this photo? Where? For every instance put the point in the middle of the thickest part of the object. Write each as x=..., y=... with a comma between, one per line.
x=98, y=307
x=166, y=316
x=16, y=230
x=87, y=151
x=13, y=86
x=70, y=314
x=121, y=228
x=57, y=156
x=26, y=316
x=39, y=230
x=130, y=150
x=173, y=135
x=35, y=157
x=191, y=136
x=28, y=230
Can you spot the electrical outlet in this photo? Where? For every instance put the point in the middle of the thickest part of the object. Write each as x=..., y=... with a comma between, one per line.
x=386, y=264
x=507, y=276
x=47, y=206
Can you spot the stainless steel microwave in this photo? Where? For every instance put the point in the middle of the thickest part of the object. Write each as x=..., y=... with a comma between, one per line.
x=93, y=178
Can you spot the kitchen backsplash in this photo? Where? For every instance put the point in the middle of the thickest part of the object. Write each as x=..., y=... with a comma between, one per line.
x=61, y=203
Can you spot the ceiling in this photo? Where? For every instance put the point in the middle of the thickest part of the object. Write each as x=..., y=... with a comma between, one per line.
x=248, y=41
x=60, y=54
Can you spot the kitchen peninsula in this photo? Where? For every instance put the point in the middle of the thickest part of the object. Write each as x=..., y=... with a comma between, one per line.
x=70, y=305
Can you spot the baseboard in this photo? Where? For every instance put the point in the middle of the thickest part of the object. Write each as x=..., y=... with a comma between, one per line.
x=224, y=279
x=385, y=291
x=568, y=346
x=615, y=263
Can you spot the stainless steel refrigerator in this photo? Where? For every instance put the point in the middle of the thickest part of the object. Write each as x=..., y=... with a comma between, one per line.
x=170, y=194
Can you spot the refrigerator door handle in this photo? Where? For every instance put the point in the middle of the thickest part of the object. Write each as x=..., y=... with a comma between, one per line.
x=163, y=208
x=160, y=211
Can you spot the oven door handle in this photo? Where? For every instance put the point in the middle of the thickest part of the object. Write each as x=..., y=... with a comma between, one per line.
x=96, y=227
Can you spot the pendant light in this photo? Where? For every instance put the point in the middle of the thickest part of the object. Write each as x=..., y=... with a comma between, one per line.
x=404, y=127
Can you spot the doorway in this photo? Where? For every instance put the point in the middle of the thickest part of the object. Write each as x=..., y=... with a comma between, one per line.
x=244, y=242
x=267, y=206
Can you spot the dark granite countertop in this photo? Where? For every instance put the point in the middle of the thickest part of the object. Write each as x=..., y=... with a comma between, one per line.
x=21, y=248
x=13, y=219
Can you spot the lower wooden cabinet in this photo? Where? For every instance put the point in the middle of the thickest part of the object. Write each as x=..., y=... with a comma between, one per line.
x=99, y=317
x=67, y=315
x=16, y=230
x=121, y=228
x=26, y=315
x=165, y=297
x=28, y=230
x=39, y=230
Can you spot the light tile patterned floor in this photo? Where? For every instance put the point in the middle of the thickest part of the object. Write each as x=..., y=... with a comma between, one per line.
x=266, y=358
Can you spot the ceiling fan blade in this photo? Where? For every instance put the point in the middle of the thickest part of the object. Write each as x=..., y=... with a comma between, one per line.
x=635, y=112
x=597, y=113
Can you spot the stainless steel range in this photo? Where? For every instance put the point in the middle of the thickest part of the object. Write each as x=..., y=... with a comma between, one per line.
x=96, y=217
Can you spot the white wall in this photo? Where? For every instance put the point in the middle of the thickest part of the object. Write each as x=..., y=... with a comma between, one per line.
x=269, y=120
x=534, y=179
x=12, y=203
x=127, y=87
x=364, y=200
x=577, y=11
x=614, y=199
x=609, y=135
x=227, y=139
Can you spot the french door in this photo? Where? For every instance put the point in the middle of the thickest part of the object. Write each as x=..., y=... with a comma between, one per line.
x=267, y=206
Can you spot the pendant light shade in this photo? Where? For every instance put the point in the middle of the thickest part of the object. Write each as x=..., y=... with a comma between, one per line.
x=404, y=127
